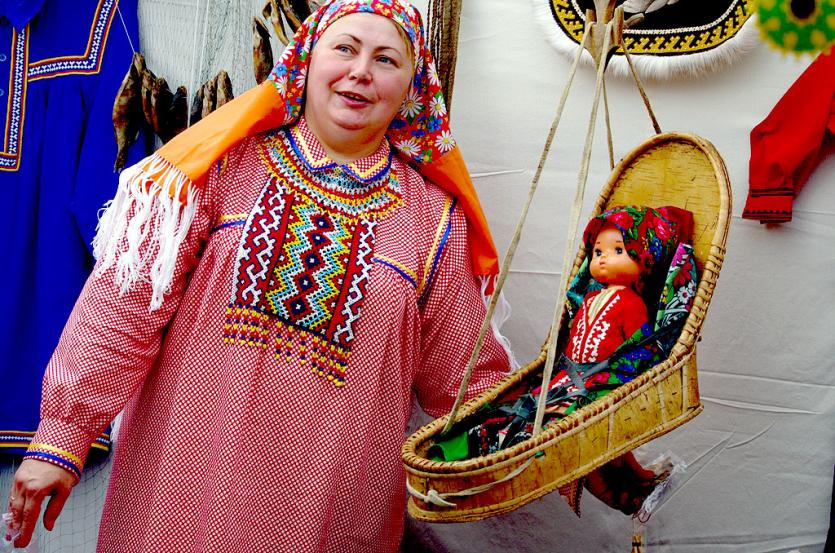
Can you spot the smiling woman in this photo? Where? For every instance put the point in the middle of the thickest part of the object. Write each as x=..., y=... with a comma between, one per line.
x=273, y=286
x=359, y=75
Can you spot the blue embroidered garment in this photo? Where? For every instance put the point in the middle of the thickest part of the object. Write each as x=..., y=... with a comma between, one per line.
x=61, y=65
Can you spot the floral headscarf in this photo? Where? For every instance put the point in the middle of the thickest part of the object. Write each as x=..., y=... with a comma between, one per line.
x=649, y=235
x=165, y=186
x=420, y=131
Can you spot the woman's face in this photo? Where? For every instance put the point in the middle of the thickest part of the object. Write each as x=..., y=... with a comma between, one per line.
x=360, y=71
x=610, y=264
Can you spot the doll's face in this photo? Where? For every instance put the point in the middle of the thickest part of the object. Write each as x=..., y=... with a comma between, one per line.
x=610, y=264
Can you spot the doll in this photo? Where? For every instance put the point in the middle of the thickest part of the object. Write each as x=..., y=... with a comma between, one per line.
x=625, y=245
x=628, y=246
x=610, y=341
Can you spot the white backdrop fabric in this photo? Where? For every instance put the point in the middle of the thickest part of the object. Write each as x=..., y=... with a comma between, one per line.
x=761, y=455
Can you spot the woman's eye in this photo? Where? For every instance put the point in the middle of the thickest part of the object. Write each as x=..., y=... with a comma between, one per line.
x=344, y=48
x=387, y=60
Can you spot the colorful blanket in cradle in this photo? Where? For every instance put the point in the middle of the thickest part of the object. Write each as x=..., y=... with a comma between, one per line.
x=575, y=385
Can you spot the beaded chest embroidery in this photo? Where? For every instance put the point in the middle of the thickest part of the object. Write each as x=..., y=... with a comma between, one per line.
x=305, y=253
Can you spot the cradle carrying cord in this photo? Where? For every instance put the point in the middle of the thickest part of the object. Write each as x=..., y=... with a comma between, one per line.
x=514, y=242
x=440, y=499
x=573, y=224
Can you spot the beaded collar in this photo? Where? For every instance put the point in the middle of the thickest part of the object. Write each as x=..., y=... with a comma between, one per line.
x=367, y=187
x=313, y=155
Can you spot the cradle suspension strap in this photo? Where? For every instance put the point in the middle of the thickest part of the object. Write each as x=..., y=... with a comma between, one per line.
x=608, y=128
x=639, y=84
x=612, y=35
x=511, y=249
x=573, y=223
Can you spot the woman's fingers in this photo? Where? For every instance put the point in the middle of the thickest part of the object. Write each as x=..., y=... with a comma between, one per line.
x=16, y=503
x=28, y=517
x=34, y=481
x=15, y=509
x=53, y=509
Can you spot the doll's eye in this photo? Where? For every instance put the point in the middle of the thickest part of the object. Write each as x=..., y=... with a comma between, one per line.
x=618, y=250
x=598, y=252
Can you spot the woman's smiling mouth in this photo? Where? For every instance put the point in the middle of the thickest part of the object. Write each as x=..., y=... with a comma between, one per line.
x=353, y=97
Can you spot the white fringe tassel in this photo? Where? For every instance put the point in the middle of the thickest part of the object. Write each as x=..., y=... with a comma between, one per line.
x=500, y=316
x=142, y=228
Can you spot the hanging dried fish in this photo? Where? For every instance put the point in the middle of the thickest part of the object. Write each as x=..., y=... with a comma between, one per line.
x=161, y=98
x=262, y=54
x=178, y=113
x=296, y=11
x=196, y=107
x=272, y=13
x=223, y=88
x=209, y=98
x=127, y=110
x=148, y=82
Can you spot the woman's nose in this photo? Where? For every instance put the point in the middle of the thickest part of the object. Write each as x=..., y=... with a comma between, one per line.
x=361, y=68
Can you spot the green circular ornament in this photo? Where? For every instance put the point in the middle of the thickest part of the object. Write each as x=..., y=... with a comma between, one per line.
x=801, y=26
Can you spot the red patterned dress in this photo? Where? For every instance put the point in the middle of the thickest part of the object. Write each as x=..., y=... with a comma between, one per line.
x=267, y=398
x=605, y=320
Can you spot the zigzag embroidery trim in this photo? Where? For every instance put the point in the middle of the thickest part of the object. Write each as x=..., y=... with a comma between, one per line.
x=592, y=329
x=304, y=260
x=352, y=306
x=333, y=189
x=90, y=60
x=262, y=230
x=10, y=157
x=305, y=153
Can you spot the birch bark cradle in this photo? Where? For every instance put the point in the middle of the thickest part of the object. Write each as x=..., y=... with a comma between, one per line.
x=668, y=169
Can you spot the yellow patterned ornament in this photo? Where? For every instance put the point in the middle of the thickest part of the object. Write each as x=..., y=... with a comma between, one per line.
x=797, y=26
x=675, y=38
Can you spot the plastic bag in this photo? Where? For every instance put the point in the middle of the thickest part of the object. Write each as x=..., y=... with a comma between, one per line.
x=675, y=468
x=9, y=535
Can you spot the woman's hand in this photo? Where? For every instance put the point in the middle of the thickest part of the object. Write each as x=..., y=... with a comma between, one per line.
x=34, y=481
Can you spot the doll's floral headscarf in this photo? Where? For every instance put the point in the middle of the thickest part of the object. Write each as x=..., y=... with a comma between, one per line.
x=165, y=187
x=649, y=235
